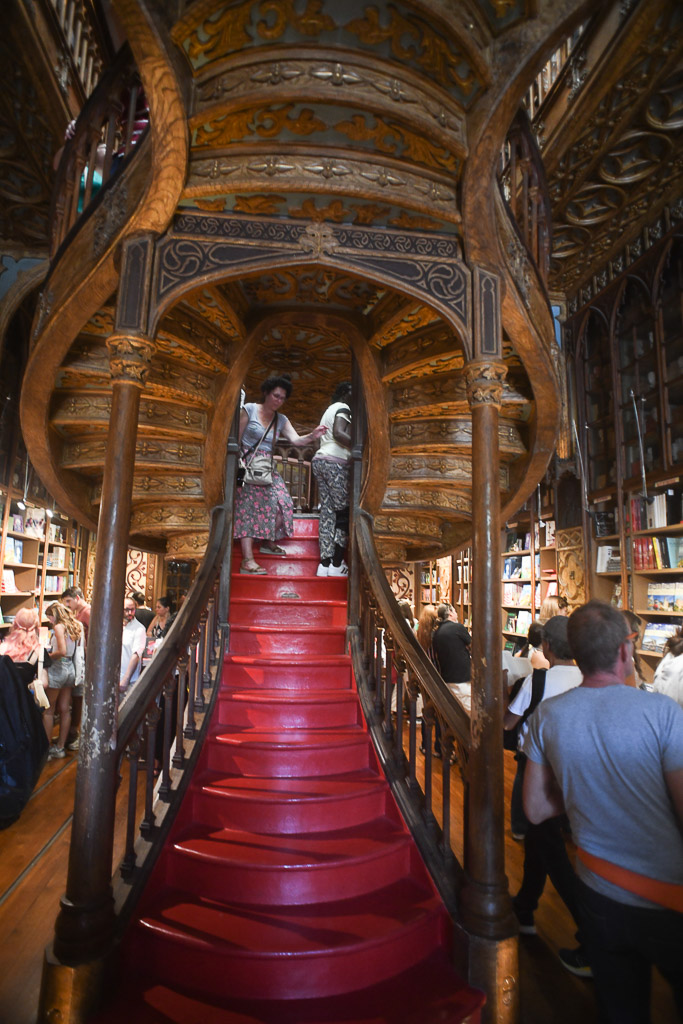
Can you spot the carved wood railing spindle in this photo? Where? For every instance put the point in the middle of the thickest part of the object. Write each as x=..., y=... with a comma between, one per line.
x=181, y=691
x=133, y=755
x=151, y=725
x=190, y=727
x=168, y=693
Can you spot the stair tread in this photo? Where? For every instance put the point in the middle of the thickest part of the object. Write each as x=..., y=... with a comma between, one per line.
x=287, y=629
x=287, y=696
x=301, y=851
x=286, y=789
x=297, y=602
x=298, y=738
x=430, y=992
x=310, y=930
x=279, y=660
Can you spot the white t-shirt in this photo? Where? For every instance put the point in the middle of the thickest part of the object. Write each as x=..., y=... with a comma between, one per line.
x=669, y=677
x=329, y=448
x=133, y=641
x=558, y=679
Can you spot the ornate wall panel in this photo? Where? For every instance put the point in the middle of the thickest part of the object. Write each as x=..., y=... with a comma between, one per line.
x=401, y=579
x=571, y=565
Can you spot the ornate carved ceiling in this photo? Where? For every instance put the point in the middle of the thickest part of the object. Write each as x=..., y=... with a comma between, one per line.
x=614, y=146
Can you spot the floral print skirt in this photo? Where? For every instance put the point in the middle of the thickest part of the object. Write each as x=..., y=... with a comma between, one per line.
x=265, y=513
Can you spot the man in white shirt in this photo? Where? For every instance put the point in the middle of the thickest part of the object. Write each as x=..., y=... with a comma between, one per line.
x=133, y=642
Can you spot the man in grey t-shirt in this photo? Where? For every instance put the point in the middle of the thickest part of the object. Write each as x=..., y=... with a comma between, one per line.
x=612, y=757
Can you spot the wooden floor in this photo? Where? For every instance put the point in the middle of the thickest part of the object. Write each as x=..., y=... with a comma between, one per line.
x=33, y=860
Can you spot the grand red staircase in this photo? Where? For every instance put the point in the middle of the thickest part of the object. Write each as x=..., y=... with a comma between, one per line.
x=289, y=890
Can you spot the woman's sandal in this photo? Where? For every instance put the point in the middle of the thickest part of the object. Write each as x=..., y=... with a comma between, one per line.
x=257, y=570
x=271, y=549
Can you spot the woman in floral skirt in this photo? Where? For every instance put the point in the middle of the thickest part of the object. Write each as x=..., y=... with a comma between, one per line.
x=266, y=513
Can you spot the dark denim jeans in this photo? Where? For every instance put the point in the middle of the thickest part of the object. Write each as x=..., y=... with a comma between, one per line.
x=622, y=944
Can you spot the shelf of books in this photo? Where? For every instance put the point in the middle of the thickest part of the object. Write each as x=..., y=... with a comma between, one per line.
x=529, y=569
x=41, y=554
x=657, y=546
x=461, y=586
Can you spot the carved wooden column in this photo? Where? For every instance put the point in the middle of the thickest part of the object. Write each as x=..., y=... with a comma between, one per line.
x=486, y=907
x=84, y=926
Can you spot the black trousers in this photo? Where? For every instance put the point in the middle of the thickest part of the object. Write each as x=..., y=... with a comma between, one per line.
x=545, y=855
x=622, y=943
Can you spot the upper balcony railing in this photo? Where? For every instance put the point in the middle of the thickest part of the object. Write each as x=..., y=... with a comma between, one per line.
x=525, y=190
x=106, y=132
x=82, y=39
x=549, y=73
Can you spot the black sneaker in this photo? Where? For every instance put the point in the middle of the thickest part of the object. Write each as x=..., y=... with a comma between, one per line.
x=576, y=961
x=525, y=919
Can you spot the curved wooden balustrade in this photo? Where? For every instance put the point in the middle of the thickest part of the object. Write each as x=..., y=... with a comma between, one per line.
x=183, y=666
x=393, y=673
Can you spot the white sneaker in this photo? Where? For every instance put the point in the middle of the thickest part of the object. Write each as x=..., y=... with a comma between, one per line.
x=338, y=570
x=323, y=570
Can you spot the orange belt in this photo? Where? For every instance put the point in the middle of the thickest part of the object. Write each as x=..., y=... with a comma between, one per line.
x=668, y=894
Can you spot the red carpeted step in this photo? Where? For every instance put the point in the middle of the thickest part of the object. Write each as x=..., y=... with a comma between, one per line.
x=287, y=952
x=428, y=993
x=257, y=611
x=292, y=640
x=288, y=870
x=289, y=805
x=314, y=672
x=286, y=754
x=279, y=567
x=303, y=588
x=294, y=547
x=287, y=709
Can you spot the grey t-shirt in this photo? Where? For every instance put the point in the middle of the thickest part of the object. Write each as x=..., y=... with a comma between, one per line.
x=609, y=748
x=254, y=430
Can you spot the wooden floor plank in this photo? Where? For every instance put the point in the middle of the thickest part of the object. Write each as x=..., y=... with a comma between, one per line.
x=43, y=816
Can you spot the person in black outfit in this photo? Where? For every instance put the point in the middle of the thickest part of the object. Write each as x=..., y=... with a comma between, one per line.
x=451, y=643
x=451, y=649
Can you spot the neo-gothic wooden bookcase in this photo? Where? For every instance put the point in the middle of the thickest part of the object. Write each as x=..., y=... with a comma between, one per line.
x=628, y=348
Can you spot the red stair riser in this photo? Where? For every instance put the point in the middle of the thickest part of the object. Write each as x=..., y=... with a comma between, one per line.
x=293, y=675
x=249, y=975
x=296, y=547
x=288, y=817
x=251, y=640
x=263, y=762
x=290, y=613
x=270, y=587
x=281, y=715
x=278, y=568
x=291, y=886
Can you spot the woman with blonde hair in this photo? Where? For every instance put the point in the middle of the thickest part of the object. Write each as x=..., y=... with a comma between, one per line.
x=65, y=634
x=553, y=605
x=426, y=624
x=425, y=629
x=22, y=643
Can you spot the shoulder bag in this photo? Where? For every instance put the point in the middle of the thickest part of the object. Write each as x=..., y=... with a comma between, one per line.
x=258, y=469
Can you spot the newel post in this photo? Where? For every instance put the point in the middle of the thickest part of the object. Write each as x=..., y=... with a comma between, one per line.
x=486, y=910
x=85, y=925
